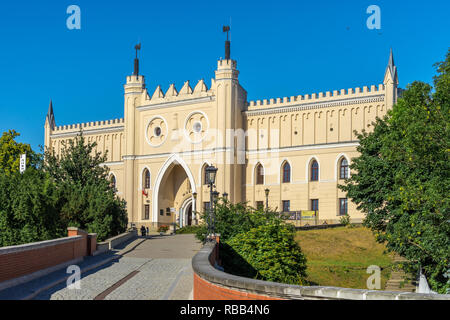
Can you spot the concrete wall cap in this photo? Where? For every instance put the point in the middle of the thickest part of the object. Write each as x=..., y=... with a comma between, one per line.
x=203, y=268
x=37, y=245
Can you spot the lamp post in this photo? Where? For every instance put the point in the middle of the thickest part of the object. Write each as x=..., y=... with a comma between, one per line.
x=211, y=172
x=194, y=207
x=215, y=195
x=267, y=198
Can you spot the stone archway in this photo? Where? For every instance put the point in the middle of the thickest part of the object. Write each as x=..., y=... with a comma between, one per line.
x=174, y=184
x=186, y=213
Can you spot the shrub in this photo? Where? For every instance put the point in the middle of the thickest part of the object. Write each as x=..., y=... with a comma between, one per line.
x=345, y=220
x=188, y=229
x=267, y=252
x=232, y=219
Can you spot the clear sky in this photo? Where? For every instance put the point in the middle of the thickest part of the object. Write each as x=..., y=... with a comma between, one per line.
x=283, y=48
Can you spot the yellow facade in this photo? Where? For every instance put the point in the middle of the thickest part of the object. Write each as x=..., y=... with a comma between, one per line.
x=175, y=134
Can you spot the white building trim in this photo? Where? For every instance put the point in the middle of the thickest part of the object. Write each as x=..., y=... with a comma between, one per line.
x=173, y=159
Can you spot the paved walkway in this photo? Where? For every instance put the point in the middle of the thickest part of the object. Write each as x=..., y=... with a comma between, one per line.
x=155, y=268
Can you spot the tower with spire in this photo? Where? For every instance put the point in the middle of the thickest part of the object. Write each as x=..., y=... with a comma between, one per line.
x=50, y=123
x=391, y=82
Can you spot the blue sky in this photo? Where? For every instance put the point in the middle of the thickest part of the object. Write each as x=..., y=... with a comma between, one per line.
x=283, y=48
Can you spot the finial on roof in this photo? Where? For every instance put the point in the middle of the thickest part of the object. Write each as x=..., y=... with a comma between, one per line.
x=227, y=43
x=136, y=60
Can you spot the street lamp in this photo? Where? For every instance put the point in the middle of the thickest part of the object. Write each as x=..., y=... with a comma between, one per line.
x=210, y=179
x=211, y=174
x=267, y=199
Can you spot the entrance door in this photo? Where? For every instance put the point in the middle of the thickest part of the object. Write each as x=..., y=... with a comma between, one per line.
x=189, y=215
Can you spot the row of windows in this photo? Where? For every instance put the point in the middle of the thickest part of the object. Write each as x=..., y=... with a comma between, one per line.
x=343, y=207
x=314, y=171
x=286, y=173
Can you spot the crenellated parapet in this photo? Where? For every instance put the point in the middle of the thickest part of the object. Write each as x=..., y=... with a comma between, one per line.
x=328, y=96
x=89, y=127
x=186, y=92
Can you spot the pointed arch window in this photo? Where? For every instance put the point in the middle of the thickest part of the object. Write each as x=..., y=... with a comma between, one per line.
x=146, y=179
x=205, y=176
x=314, y=171
x=343, y=169
x=113, y=182
x=259, y=174
x=286, y=173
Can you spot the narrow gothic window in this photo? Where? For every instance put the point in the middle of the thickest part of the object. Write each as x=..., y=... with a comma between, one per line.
x=343, y=169
x=259, y=174
x=314, y=171
x=205, y=175
x=286, y=173
x=146, y=212
x=113, y=182
x=146, y=179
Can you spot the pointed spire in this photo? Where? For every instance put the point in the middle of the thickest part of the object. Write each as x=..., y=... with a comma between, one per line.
x=391, y=64
x=391, y=69
x=50, y=116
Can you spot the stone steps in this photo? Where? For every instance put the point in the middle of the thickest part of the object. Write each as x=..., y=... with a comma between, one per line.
x=400, y=281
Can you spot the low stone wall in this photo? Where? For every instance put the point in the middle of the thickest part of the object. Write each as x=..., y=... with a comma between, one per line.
x=213, y=284
x=111, y=243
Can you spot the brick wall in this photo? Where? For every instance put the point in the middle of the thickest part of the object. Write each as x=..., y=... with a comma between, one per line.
x=210, y=283
x=21, y=260
x=205, y=290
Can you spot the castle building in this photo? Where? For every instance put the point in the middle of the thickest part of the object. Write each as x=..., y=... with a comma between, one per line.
x=298, y=147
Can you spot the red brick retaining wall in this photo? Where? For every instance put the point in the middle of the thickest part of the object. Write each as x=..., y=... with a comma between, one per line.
x=205, y=290
x=21, y=260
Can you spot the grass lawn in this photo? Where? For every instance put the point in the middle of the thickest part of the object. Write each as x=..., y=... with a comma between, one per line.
x=340, y=256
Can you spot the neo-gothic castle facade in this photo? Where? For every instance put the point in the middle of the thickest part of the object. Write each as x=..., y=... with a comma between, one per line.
x=298, y=147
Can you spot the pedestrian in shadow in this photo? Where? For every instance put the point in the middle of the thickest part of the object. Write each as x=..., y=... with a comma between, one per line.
x=143, y=231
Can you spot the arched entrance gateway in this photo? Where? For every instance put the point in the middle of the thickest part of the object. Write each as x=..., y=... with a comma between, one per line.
x=173, y=200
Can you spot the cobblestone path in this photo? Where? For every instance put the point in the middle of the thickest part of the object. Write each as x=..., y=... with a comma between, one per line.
x=146, y=269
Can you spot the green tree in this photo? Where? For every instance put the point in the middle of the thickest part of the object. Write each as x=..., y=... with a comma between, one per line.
x=89, y=200
x=401, y=178
x=256, y=243
x=29, y=208
x=10, y=151
x=231, y=219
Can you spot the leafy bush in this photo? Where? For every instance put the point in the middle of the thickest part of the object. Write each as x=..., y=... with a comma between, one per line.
x=232, y=219
x=29, y=208
x=345, y=220
x=256, y=243
x=188, y=229
x=267, y=252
